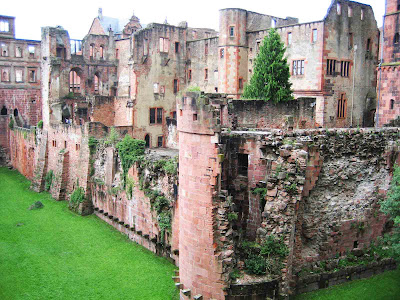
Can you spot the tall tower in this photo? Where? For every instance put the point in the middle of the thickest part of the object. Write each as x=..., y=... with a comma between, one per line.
x=232, y=51
x=388, y=72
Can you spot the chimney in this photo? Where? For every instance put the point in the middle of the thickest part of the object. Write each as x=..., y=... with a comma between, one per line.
x=100, y=13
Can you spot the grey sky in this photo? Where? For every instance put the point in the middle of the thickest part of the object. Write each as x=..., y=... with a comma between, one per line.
x=76, y=16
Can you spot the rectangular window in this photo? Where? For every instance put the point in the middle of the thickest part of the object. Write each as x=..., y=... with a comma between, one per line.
x=101, y=52
x=232, y=31
x=174, y=114
x=222, y=53
x=18, y=51
x=19, y=75
x=4, y=49
x=243, y=164
x=4, y=26
x=116, y=53
x=164, y=45
x=314, y=35
x=350, y=40
x=350, y=11
x=31, y=50
x=240, y=83
x=344, y=68
x=339, y=9
x=156, y=88
x=77, y=147
x=205, y=74
x=331, y=67
x=190, y=75
x=152, y=115
x=176, y=47
x=5, y=75
x=342, y=107
x=176, y=86
x=32, y=75
x=160, y=141
x=258, y=46
x=298, y=67
x=289, y=38
x=362, y=14
x=76, y=47
x=159, y=115
x=391, y=103
x=206, y=49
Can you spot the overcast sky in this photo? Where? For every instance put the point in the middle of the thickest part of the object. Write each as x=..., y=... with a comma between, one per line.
x=76, y=16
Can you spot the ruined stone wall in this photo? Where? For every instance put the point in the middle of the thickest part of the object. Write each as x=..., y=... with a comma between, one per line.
x=388, y=81
x=158, y=67
x=201, y=266
x=132, y=210
x=265, y=114
x=23, y=143
x=322, y=188
x=102, y=110
x=68, y=158
x=202, y=70
x=338, y=46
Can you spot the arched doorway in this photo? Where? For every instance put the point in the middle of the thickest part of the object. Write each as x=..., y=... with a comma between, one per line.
x=15, y=112
x=147, y=140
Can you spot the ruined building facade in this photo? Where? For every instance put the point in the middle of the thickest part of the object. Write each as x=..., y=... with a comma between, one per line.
x=388, y=81
x=132, y=80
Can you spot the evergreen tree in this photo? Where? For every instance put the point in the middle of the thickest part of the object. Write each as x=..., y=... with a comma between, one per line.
x=270, y=80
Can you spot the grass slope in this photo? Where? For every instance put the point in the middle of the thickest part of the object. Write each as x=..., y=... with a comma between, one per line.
x=52, y=253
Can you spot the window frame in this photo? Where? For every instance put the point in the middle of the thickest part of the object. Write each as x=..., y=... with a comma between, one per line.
x=341, y=113
x=331, y=67
x=22, y=75
x=298, y=67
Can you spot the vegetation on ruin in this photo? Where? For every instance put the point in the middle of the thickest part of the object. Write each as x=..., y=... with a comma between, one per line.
x=193, y=89
x=262, y=192
x=130, y=150
x=77, y=197
x=385, y=286
x=48, y=179
x=391, y=206
x=40, y=124
x=11, y=124
x=93, y=142
x=232, y=216
x=265, y=258
x=129, y=186
x=171, y=166
x=112, y=138
x=52, y=253
x=270, y=80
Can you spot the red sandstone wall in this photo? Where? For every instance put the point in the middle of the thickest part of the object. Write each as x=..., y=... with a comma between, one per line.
x=22, y=151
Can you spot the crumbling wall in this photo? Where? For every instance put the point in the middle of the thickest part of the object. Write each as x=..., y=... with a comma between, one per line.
x=265, y=114
x=134, y=209
x=23, y=143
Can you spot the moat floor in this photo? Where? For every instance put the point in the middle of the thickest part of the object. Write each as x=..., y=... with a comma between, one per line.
x=51, y=253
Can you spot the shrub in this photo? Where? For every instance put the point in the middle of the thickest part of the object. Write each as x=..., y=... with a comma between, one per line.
x=130, y=151
x=232, y=216
x=113, y=137
x=48, y=179
x=256, y=265
x=77, y=196
x=40, y=124
x=171, y=166
x=93, y=142
x=235, y=274
x=274, y=247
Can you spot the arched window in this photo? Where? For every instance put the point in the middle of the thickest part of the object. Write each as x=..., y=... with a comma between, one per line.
x=396, y=38
x=101, y=52
x=96, y=83
x=74, y=81
x=4, y=111
x=147, y=140
x=15, y=112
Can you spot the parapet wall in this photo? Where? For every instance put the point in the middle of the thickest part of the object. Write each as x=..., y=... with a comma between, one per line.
x=297, y=114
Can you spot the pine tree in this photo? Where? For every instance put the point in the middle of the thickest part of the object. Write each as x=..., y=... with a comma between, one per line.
x=270, y=80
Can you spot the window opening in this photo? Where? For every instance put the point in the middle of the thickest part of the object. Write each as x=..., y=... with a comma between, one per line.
x=243, y=164
x=232, y=31
x=396, y=38
x=240, y=83
x=205, y=74
x=298, y=67
x=391, y=103
x=5, y=75
x=176, y=87
x=344, y=68
x=96, y=84
x=350, y=40
x=4, y=26
x=31, y=50
x=160, y=141
x=331, y=67
x=368, y=45
x=74, y=82
x=342, y=107
x=159, y=115
x=222, y=53
x=18, y=75
x=152, y=115
x=206, y=49
x=289, y=38
x=176, y=47
x=18, y=52
x=314, y=35
x=32, y=75
x=147, y=140
x=4, y=111
x=101, y=52
x=164, y=44
x=15, y=112
x=4, y=49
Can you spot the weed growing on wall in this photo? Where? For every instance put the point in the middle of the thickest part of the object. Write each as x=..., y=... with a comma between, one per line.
x=11, y=124
x=264, y=258
x=93, y=142
x=130, y=150
x=77, y=197
x=40, y=124
x=112, y=138
x=391, y=206
x=48, y=179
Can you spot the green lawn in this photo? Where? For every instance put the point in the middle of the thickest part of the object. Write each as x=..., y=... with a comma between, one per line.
x=385, y=286
x=52, y=253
